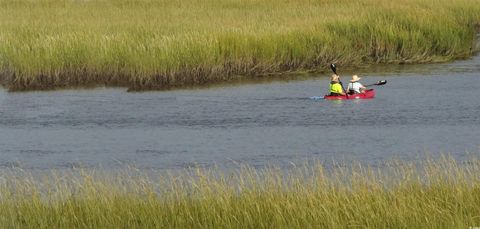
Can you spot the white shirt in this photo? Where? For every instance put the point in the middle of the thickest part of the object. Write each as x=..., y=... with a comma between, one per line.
x=355, y=86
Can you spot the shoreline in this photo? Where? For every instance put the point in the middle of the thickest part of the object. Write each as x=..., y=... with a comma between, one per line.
x=430, y=193
x=47, y=85
x=237, y=80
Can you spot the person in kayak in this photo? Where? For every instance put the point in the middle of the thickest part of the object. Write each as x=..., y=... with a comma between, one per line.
x=335, y=86
x=355, y=87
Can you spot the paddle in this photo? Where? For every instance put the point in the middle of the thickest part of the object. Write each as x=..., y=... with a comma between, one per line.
x=381, y=82
x=334, y=69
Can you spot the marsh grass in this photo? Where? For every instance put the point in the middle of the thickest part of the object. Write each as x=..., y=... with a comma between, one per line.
x=147, y=44
x=432, y=194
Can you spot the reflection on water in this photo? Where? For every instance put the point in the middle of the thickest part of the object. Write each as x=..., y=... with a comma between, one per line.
x=423, y=108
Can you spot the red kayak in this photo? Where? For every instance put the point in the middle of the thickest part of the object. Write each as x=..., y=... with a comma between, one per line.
x=367, y=94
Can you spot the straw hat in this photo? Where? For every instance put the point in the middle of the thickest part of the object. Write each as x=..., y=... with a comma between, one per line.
x=334, y=78
x=355, y=78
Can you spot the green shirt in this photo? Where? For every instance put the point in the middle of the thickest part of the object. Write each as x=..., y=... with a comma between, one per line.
x=336, y=88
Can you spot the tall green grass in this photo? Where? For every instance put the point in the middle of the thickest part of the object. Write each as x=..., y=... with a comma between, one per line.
x=433, y=194
x=148, y=44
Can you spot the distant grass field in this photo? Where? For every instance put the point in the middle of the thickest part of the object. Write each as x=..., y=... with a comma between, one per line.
x=433, y=194
x=155, y=44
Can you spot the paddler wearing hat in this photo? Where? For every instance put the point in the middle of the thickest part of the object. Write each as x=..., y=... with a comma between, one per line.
x=335, y=86
x=355, y=87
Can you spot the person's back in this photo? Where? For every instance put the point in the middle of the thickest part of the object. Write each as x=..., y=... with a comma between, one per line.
x=335, y=86
x=355, y=87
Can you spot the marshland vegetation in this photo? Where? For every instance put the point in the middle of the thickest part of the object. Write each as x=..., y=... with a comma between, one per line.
x=154, y=44
x=435, y=194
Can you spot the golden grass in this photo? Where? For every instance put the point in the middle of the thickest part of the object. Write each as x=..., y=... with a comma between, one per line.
x=149, y=44
x=433, y=194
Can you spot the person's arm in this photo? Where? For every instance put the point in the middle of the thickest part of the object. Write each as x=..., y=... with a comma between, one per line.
x=361, y=87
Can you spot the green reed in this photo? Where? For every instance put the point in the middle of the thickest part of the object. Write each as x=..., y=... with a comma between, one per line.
x=153, y=44
x=432, y=194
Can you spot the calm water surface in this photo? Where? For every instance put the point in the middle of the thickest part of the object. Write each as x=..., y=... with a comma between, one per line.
x=422, y=109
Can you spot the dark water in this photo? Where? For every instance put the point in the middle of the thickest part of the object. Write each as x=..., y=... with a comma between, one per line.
x=423, y=109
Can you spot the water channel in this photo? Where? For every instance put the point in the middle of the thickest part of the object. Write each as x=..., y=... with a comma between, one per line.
x=423, y=109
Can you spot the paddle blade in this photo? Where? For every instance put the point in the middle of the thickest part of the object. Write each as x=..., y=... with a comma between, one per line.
x=381, y=82
x=334, y=68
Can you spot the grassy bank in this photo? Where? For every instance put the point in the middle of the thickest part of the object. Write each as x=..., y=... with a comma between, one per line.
x=147, y=44
x=436, y=194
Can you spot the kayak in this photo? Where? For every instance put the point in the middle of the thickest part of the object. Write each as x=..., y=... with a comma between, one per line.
x=368, y=94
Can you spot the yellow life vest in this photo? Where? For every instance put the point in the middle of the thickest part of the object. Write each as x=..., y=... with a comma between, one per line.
x=336, y=88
